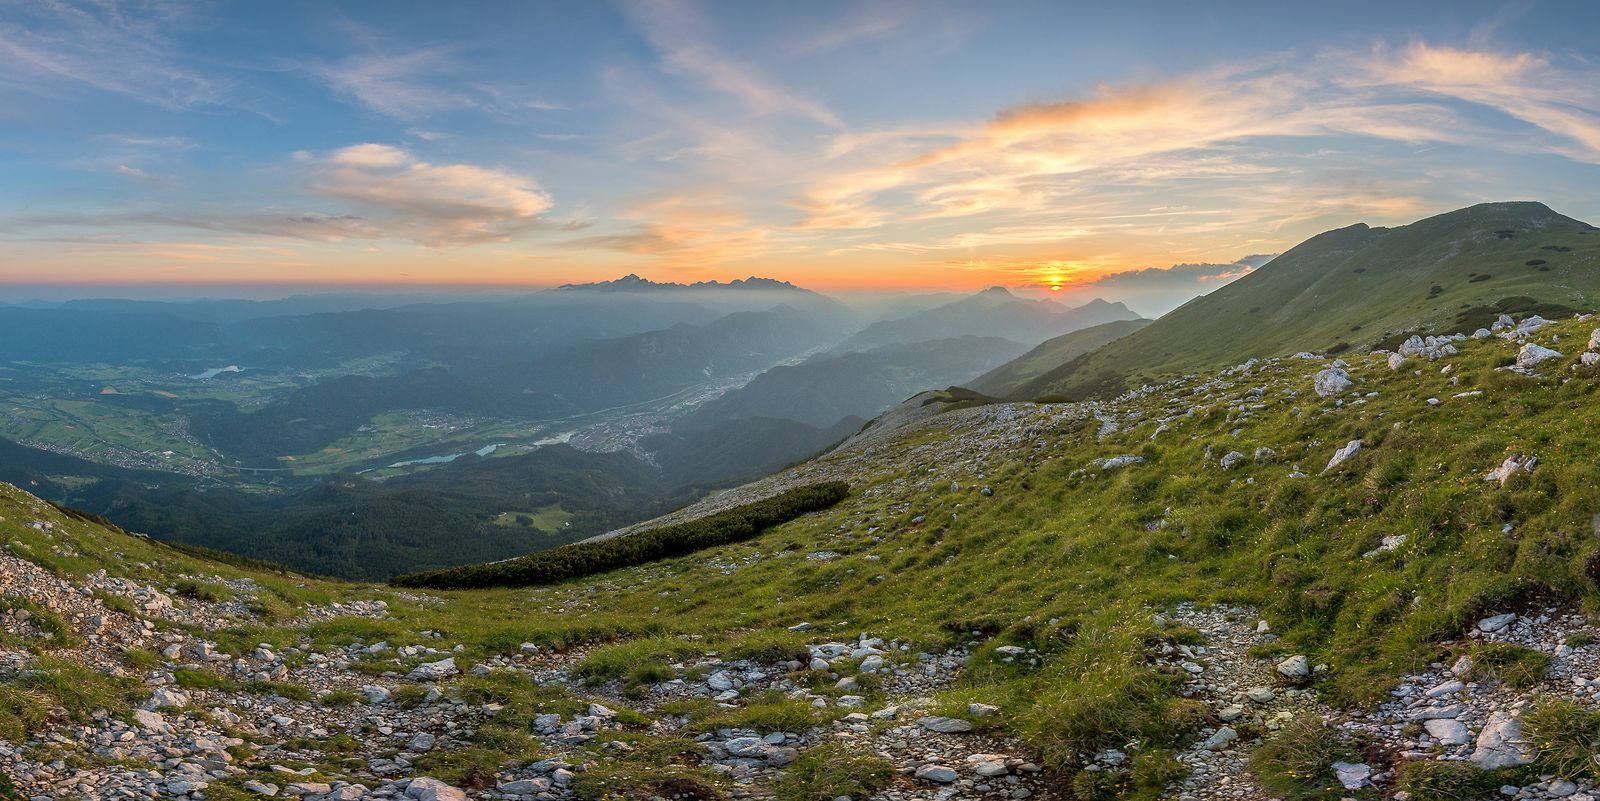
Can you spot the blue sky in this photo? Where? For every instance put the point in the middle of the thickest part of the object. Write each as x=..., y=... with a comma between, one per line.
x=941, y=145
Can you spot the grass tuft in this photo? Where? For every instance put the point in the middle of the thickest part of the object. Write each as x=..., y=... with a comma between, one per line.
x=1567, y=736
x=1296, y=763
x=833, y=770
x=1445, y=780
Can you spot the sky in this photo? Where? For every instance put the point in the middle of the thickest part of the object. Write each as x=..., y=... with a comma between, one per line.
x=1111, y=149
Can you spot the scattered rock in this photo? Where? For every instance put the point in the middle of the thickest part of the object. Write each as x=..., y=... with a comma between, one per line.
x=1295, y=667
x=1339, y=456
x=1332, y=381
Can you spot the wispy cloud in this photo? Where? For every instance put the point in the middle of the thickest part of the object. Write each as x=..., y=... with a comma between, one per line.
x=1525, y=86
x=682, y=38
x=403, y=86
x=127, y=228
x=127, y=49
x=433, y=204
x=149, y=142
x=417, y=84
x=870, y=22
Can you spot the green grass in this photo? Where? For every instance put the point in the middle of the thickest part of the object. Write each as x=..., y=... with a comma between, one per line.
x=646, y=655
x=549, y=519
x=1095, y=694
x=1567, y=735
x=1446, y=780
x=832, y=770
x=336, y=698
x=56, y=633
x=202, y=591
x=192, y=679
x=408, y=696
x=765, y=713
x=1296, y=763
x=1513, y=665
x=1295, y=303
x=502, y=740
x=770, y=647
x=656, y=767
x=26, y=697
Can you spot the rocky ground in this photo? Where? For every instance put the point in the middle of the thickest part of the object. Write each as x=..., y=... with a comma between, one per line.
x=180, y=741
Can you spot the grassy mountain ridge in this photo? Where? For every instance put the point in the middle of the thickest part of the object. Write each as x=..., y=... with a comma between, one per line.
x=1360, y=287
x=1021, y=377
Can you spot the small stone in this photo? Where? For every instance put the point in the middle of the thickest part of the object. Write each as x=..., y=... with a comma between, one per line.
x=1220, y=739
x=936, y=773
x=1448, y=731
x=1295, y=667
x=434, y=671
x=1490, y=625
x=1353, y=775
x=427, y=788
x=1443, y=689
x=945, y=725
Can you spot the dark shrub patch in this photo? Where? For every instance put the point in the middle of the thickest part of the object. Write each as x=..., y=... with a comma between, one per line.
x=586, y=559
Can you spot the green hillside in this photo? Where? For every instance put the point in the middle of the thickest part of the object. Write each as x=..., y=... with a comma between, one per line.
x=1016, y=378
x=1360, y=287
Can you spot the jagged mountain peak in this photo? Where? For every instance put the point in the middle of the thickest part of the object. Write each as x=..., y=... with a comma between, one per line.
x=632, y=282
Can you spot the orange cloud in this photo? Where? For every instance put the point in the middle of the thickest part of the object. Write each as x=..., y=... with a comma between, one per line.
x=433, y=204
x=686, y=231
x=1026, y=157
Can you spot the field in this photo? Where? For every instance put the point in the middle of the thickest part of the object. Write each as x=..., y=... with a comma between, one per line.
x=549, y=519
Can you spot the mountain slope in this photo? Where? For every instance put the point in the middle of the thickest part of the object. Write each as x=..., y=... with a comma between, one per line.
x=1055, y=598
x=994, y=312
x=659, y=363
x=827, y=387
x=1359, y=287
x=1015, y=378
x=742, y=449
